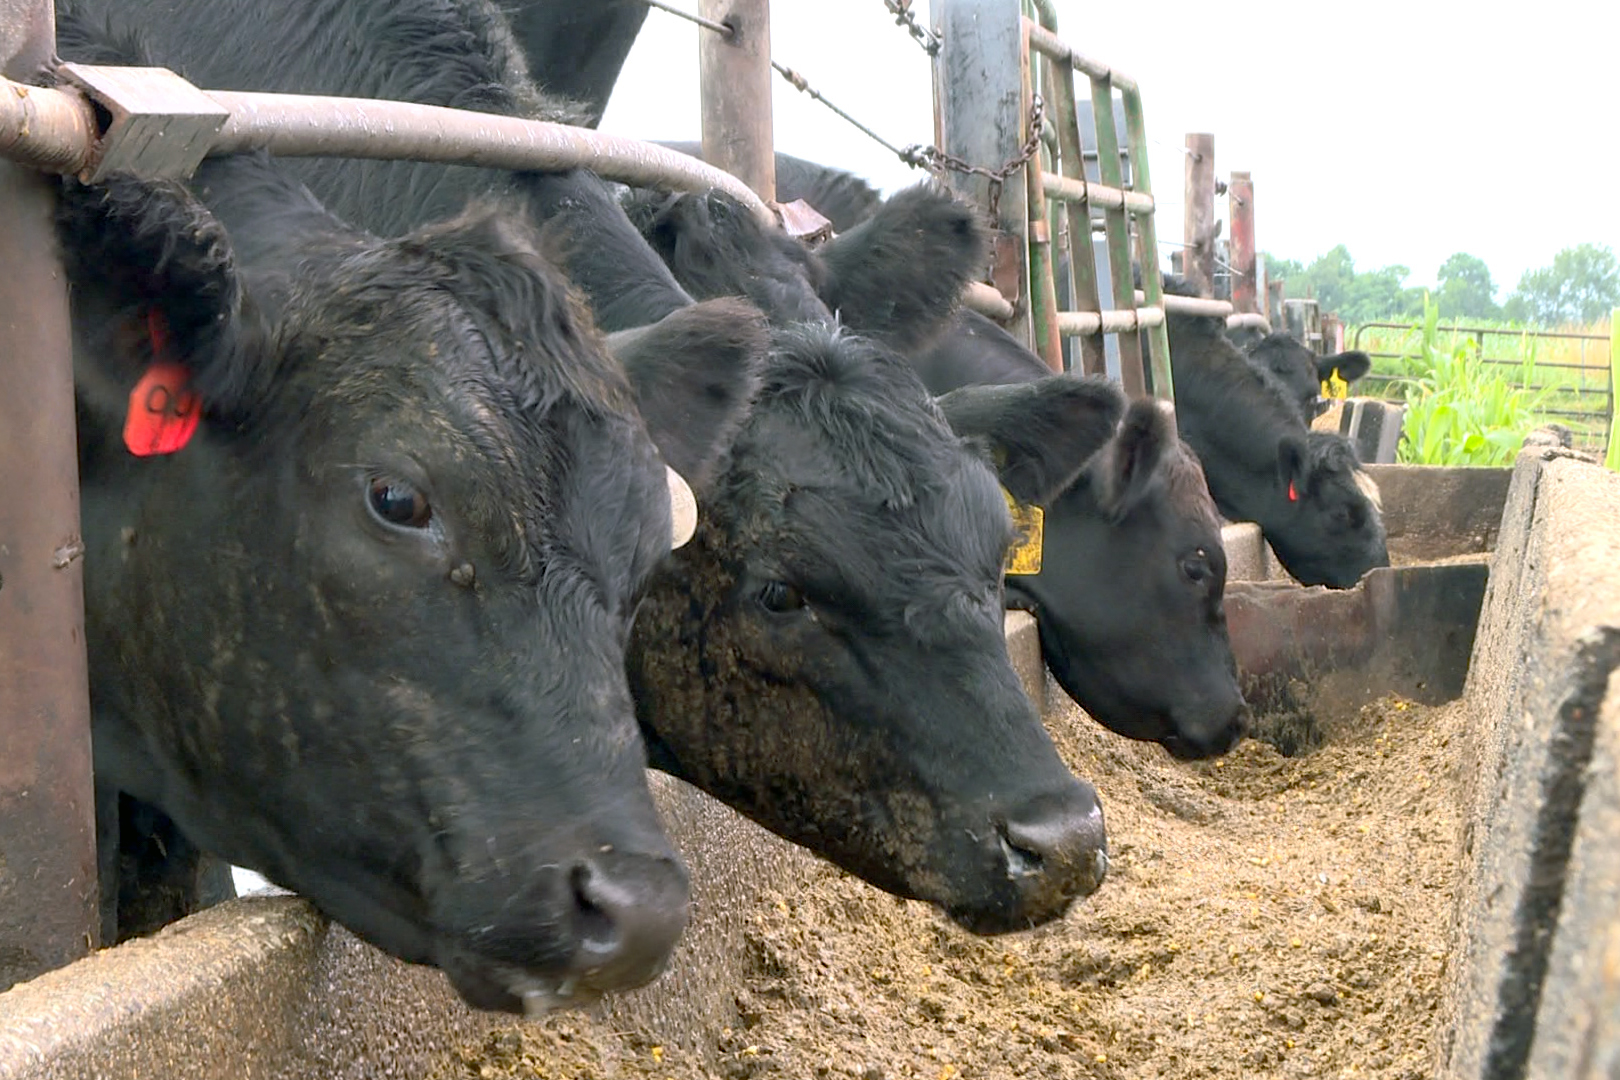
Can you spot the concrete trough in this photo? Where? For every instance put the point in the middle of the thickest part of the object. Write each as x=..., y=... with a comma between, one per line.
x=262, y=987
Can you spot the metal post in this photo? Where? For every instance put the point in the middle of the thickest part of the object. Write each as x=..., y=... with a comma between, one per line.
x=48, y=892
x=735, y=74
x=1612, y=457
x=1240, y=211
x=979, y=117
x=1198, y=220
x=1042, y=288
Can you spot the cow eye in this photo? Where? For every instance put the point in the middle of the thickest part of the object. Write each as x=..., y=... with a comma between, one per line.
x=779, y=596
x=398, y=503
x=1195, y=567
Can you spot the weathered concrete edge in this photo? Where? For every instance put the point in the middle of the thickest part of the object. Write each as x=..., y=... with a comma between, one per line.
x=1546, y=647
x=262, y=988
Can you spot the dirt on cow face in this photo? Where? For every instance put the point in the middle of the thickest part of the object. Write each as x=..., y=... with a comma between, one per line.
x=1265, y=916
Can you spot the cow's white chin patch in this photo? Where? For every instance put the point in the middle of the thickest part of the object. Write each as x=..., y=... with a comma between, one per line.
x=683, y=510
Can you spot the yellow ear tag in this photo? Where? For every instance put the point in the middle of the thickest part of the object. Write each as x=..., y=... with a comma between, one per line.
x=1335, y=387
x=1024, y=556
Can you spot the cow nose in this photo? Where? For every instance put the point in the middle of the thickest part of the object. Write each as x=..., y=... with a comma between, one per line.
x=1056, y=851
x=1189, y=744
x=629, y=911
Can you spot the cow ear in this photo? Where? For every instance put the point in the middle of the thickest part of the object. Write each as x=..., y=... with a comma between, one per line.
x=695, y=372
x=1040, y=434
x=899, y=275
x=1127, y=468
x=152, y=277
x=1350, y=365
x=1293, y=464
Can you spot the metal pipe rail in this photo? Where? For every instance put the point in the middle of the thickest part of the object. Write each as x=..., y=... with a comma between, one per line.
x=1069, y=189
x=56, y=130
x=1081, y=323
x=1049, y=44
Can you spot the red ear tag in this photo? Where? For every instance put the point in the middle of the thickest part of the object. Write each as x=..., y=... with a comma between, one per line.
x=163, y=409
x=1293, y=496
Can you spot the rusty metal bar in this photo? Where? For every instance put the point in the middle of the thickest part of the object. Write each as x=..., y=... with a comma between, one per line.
x=1081, y=190
x=1072, y=163
x=1042, y=285
x=1240, y=212
x=1047, y=43
x=48, y=894
x=1198, y=212
x=1127, y=321
x=1147, y=247
x=735, y=74
x=1132, y=375
x=56, y=130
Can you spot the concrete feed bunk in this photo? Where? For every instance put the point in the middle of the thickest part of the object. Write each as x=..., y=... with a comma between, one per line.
x=1215, y=898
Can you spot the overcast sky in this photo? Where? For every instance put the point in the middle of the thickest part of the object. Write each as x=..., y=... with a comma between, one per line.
x=1405, y=130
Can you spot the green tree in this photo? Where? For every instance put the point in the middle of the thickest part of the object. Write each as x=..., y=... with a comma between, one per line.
x=1581, y=285
x=1466, y=291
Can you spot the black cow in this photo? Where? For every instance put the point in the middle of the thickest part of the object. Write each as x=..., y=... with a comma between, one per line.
x=1300, y=371
x=773, y=618
x=897, y=276
x=1129, y=602
x=362, y=628
x=1314, y=503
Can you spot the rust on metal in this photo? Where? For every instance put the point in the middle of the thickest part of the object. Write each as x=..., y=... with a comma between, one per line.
x=804, y=222
x=160, y=126
x=48, y=893
x=734, y=72
x=1240, y=239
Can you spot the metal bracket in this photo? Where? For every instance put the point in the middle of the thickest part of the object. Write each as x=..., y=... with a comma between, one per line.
x=159, y=125
x=803, y=222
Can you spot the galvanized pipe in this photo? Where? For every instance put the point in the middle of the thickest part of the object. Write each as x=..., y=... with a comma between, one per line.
x=987, y=301
x=1047, y=43
x=1070, y=189
x=48, y=893
x=56, y=130
x=1127, y=321
x=1250, y=319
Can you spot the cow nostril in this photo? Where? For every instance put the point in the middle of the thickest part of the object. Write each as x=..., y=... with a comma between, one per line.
x=628, y=914
x=595, y=927
x=1021, y=862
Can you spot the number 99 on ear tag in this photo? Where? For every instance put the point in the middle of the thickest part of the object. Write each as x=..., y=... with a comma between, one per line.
x=1029, y=523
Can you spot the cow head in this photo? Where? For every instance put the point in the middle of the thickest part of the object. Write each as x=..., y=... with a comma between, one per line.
x=364, y=631
x=1128, y=597
x=827, y=654
x=1301, y=372
x=1324, y=519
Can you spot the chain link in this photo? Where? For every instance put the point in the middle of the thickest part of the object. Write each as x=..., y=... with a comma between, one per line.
x=937, y=161
x=903, y=16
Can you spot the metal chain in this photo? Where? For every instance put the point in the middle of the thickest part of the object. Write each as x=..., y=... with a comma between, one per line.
x=901, y=10
x=936, y=160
